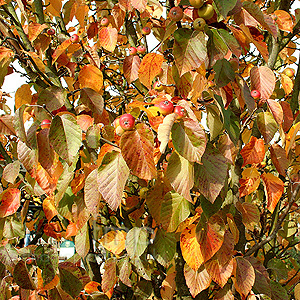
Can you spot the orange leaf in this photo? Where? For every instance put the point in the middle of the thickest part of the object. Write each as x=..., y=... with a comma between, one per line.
x=250, y=214
x=137, y=149
x=190, y=247
x=131, y=66
x=288, y=117
x=78, y=182
x=227, y=148
x=263, y=79
x=244, y=276
x=168, y=286
x=85, y=121
x=140, y=5
x=279, y=160
x=274, y=188
x=149, y=68
x=220, y=266
x=90, y=77
x=23, y=95
x=233, y=228
x=210, y=235
x=34, y=29
x=276, y=110
x=9, y=202
x=60, y=50
x=196, y=280
x=114, y=241
x=284, y=20
x=49, y=208
x=108, y=37
x=71, y=230
x=249, y=182
x=287, y=84
x=91, y=287
x=253, y=152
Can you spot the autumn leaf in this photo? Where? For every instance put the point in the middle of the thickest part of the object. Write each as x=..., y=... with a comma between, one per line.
x=93, y=100
x=114, y=241
x=284, y=20
x=108, y=37
x=90, y=77
x=250, y=214
x=131, y=67
x=164, y=131
x=168, y=286
x=276, y=110
x=137, y=149
x=287, y=84
x=22, y=276
x=23, y=95
x=253, y=152
x=109, y=277
x=7, y=125
x=136, y=241
x=190, y=247
x=140, y=5
x=249, y=182
x=11, y=171
x=267, y=125
x=244, y=276
x=288, y=117
x=274, y=188
x=263, y=79
x=279, y=159
x=9, y=202
x=196, y=280
x=180, y=172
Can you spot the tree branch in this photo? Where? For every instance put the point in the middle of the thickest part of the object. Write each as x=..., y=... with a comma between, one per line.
x=278, y=225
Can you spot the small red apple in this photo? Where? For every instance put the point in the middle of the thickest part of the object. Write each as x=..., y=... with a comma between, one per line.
x=158, y=86
x=141, y=49
x=74, y=38
x=50, y=31
x=176, y=13
x=165, y=107
x=104, y=21
x=180, y=111
x=45, y=124
x=127, y=121
x=255, y=94
x=132, y=51
x=30, y=261
x=289, y=72
x=146, y=30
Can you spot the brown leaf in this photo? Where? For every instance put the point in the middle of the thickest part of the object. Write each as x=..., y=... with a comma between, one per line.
x=288, y=117
x=7, y=125
x=279, y=160
x=131, y=67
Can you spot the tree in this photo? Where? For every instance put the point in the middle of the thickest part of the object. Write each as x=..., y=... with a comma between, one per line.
x=175, y=170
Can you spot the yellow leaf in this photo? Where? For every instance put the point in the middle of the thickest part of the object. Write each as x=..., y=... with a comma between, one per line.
x=114, y=241
x=90, y=77
x=108, y=37
x=23, y=95
x=249, y=182
x=287, y=84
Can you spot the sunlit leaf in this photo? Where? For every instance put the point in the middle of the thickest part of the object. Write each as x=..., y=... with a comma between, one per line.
x=108, y=37
x=211, y=174
x=23, y=95
x=65, y=137
x=279, y=160
x=274, y=188
x=53, y=97
x=253, y=152
x=92, y=100
x=227, y=148
x=191, y=52
x=250, y=214
x=90, y=77
x=114, y=241
x=196, y=280
x=109, y=277
x=180, y=172
x=140, y=5
x=190, y=247
x=131, y=67
x=233, y=228
x=276, y=110
x=288, y=117
x=267, y=125
x=10, y=202
x=244, y=276
x=11, y=171
x=137, y=149
x=124, y=267
x=7, y=125
x=164, y=131
x=174, y=210
x=136, y=241
x=249, y=182
x=287, y=84
x=149, y=68
x=284, y=20
x=263, y=79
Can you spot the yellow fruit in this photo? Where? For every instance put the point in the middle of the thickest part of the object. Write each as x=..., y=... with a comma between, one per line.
x=199, y=24
x=197, y=3
x=206, y=11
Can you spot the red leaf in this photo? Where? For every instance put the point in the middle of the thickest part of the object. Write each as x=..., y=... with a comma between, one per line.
x=288, y=117
x=10, y=202
x=253, y=152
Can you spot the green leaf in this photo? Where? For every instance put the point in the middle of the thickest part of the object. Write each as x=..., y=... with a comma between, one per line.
x=216, y=47
x=69, y=278
x=230, y=41
x=189, y=53
x=142, y=267
x=189, y=140
x=143, y=290
x=13, y=228
x=266, y=125
x=210, y=176
x=93, y=136
x=278, y=292
x=180, y=172
x=279, y=269
x=8, y=256
x=214, y=122
x=112, y=177
x=18, y=122
x=224, y=72
x=224, y=6
x=47, y=260
x=136, y=242
x=174, y=210
x=164, y=247
x=65, y=137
